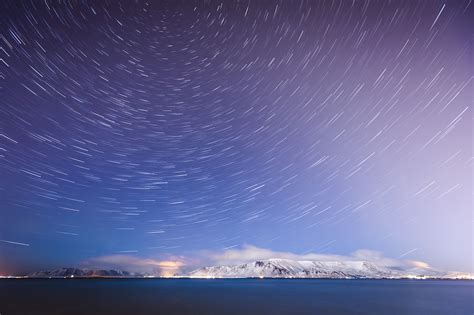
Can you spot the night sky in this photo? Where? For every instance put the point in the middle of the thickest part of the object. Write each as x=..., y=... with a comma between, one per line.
x=162, y=129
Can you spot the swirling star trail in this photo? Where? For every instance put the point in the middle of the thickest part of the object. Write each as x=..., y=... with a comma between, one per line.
x=162, y=128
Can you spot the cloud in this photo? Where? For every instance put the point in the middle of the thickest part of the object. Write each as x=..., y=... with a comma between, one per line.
x=249, y=253
x=419, y=264
x=137, y=264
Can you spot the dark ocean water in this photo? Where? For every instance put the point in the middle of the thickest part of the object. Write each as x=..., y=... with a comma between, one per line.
x=243, y=296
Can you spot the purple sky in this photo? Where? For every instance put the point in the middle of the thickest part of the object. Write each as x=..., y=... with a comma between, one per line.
x=159, y=130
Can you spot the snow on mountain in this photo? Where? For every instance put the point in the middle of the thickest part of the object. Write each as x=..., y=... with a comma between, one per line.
x=277, y=268
x=284, y=268
x=81, y=273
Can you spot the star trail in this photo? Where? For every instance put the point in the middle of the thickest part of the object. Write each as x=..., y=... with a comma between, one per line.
x=159, y=129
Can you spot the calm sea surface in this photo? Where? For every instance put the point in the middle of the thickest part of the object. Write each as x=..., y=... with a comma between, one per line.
x=243, y=296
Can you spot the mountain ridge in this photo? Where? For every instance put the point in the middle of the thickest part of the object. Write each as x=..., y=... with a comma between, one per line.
x=273, y=268
x=71, y=272
x=286, y=268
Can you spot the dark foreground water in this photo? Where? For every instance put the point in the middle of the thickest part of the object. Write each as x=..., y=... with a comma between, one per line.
x=243, y=296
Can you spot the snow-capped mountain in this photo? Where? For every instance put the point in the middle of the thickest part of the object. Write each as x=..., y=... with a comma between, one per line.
x=81, y=273
x=284, y=268
x=276, y=268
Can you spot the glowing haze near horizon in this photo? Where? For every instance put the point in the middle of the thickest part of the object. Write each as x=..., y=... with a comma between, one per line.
x=160, y=129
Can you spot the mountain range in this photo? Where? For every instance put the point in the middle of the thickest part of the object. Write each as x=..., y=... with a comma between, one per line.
x=83, y=273
x=285, y=268
x=276, y=268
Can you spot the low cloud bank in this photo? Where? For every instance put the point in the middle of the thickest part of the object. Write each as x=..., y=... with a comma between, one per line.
x=247, y=253
x=251, y=253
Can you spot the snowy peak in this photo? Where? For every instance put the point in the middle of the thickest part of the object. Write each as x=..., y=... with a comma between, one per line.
x=284, y=268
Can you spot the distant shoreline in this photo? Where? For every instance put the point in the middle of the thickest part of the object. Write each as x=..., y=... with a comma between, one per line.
x=245, y=278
